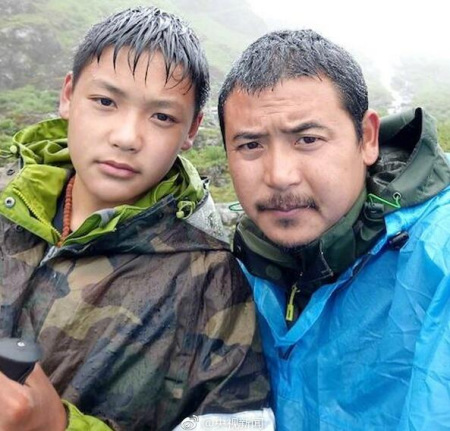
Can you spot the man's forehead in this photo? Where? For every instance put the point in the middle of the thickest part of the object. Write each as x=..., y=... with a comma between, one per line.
x=287, y=91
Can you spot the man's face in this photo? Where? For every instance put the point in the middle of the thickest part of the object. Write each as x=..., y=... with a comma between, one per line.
x=125, y=131
x=295, y=159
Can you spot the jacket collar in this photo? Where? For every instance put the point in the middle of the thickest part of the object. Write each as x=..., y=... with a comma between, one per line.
x=42, y=153
x=411, y=169
x=318, y=262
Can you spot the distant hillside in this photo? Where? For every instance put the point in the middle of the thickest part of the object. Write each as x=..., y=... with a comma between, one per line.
x=37, y=37
x=425, y=82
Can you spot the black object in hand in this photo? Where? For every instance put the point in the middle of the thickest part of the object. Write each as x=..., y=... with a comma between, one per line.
x=17, y=358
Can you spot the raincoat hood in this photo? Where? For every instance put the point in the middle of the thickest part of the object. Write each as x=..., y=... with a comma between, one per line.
x=411, y=169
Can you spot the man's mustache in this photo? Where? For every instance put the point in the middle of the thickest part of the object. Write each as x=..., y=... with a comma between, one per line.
x=286, y=202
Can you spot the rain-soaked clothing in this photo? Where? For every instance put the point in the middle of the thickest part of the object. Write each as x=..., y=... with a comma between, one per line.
x=144, y=316
x=370, y=348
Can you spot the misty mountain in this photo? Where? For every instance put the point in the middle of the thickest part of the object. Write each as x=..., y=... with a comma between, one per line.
x=425, y=82
x=37, y=37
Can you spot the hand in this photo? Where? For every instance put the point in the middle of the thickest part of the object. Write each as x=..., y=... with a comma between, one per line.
x=34, y=406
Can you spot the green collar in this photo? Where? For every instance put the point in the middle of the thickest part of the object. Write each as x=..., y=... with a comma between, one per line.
x=318, y=262
x=43, y=152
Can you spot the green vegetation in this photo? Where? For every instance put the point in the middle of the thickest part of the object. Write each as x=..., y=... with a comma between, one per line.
x=426, y=83
x=46, y=31
x=211, y=161
x=24, y=106
x=207, y=157
x=444, y=134
x=28, y=101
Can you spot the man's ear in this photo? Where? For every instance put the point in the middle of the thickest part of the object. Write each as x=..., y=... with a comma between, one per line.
x=189, y=141
x=65, y=96
x=370, y=129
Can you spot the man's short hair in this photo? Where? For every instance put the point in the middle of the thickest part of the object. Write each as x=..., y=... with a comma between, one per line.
x=148, y=30
x=292, y=54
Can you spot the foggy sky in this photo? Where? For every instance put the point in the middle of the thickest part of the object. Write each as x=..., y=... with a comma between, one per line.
x=382, y=29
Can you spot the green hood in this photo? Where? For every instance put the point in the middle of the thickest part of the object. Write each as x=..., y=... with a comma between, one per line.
x=411, y=169
x=44, y=167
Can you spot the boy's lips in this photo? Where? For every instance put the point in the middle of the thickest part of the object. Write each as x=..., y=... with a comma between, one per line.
x=114, y=168
x=119, y=165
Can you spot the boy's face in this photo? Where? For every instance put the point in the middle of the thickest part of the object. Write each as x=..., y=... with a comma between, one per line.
x=125, y=131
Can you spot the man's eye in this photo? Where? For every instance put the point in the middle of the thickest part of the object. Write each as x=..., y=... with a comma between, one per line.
x=163, y=117
x=307, y=140
x=249, y=146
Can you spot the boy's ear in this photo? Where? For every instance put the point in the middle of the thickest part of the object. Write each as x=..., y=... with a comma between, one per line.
x=189, y=141
x=65, y=96
x=371, y=128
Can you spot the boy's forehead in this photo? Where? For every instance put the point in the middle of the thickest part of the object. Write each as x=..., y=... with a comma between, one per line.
x=147, y=65
x=145, y=82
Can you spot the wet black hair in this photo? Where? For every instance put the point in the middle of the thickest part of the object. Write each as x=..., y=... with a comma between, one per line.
x=148, y=30
x=292, y=54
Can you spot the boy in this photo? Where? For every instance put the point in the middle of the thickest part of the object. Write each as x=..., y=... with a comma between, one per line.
x=111, y=250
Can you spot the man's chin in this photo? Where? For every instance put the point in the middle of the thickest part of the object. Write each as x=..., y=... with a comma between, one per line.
x=288, y=242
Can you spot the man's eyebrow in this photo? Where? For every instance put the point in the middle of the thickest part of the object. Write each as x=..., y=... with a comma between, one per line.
x=303, y=127
x=248, y=136
x=300, y=128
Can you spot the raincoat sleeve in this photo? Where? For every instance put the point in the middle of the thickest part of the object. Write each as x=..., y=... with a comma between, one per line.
x=77, y=421
x=230, y=371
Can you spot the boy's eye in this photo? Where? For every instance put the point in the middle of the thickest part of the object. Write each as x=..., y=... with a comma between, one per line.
x=104, y=101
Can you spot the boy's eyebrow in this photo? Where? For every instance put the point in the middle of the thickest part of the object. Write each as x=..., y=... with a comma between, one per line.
x=157, y=103
x=300, y=128
x=110, y=87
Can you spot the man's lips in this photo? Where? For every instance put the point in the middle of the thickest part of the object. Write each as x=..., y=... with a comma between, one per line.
x=286, y=208
x=283, y=205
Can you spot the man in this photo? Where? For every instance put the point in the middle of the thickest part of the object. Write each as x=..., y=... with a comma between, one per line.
x=111, y=252
x=346, y=239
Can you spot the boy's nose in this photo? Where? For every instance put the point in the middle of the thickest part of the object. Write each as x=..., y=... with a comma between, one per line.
x=126, y=135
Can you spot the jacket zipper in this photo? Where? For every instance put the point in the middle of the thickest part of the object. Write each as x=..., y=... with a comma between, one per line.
x=30, y=207
x=290, y=309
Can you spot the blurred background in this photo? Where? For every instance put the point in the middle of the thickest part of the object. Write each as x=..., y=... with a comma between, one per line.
x=402, y=47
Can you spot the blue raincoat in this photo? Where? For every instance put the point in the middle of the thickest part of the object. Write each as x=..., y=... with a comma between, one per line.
x=372, y=350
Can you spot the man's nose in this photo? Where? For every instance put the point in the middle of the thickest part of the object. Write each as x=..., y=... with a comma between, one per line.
x=282, y=169
x=126, y=134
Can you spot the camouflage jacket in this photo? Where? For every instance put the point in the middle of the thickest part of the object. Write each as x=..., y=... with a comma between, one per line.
x=141, y=326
